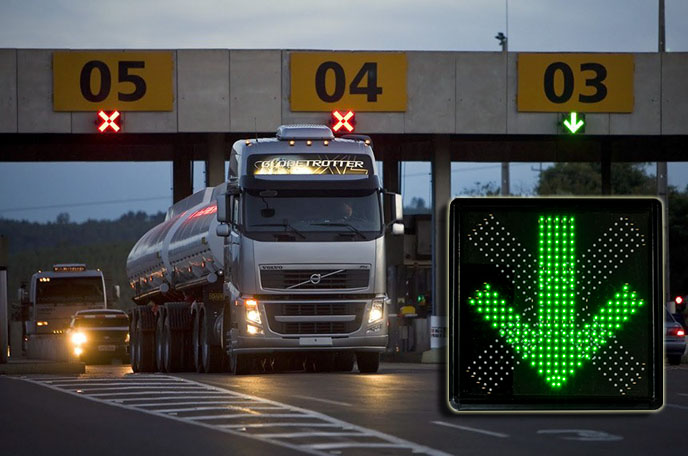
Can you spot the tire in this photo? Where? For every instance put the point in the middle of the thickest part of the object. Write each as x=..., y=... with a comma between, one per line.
x=145, y=356
x=212, y=354
x=344, y=362
x=674, y=360
x=241, y=364
x=160, y=343
x=174, y=347
x=196, y=343
x=133, y=340
x=368, y=362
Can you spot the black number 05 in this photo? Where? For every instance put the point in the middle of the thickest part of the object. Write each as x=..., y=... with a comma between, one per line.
x=123, y=75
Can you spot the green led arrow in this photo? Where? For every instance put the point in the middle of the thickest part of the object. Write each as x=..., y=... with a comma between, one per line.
x=573, y=123
x=556, y=345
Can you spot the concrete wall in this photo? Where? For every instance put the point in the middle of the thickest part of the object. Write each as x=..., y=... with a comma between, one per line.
x=243, y=91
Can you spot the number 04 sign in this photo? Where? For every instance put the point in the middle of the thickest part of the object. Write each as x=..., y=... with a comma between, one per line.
x=126, y=81
x=575, y=82
x=360, y=81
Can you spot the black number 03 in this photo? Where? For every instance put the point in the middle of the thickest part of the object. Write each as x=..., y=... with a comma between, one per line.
x=567, y=90
x=123, y=75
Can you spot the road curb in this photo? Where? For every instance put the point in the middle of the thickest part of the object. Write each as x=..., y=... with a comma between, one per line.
x=41, y=367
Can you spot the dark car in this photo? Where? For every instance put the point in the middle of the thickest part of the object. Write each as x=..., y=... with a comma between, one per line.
x=99, y=335
x=674, y=339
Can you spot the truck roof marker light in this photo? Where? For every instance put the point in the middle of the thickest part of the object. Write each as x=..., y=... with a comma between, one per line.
x=292, y=142
x=309, y=143
x=326, y=143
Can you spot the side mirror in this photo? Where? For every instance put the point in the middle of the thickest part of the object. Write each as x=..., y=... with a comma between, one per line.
x=393, y=207
x=397, y=229
x=222, y=230
x=223, y=208
x=116, y=291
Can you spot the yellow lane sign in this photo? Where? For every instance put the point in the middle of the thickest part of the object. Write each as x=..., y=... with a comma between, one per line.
x=575, y=82
x=126, y=81
x=359, y=81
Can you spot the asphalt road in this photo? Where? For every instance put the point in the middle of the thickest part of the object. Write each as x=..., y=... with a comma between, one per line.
x=396, y=412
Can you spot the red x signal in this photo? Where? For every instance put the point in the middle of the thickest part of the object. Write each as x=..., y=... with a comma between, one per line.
x=343, y=121
x=109, y=121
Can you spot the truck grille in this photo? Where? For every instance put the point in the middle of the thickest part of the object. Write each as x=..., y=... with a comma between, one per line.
x=309, y=279
x=316, y=310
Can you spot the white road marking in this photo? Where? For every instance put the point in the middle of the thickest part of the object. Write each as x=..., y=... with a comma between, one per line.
x=682, y=407
x=326, y=401
x=471, y=429
x=185, y=396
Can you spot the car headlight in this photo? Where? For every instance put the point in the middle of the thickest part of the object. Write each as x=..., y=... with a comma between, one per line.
x=377, y=310
x=78, y=338
x=252, y=312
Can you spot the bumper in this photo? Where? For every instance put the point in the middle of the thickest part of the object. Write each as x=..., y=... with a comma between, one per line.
x=258, y=344
x=95, y=351
x=674, y=347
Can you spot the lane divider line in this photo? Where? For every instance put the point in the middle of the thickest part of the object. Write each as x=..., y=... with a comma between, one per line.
x=471, y=429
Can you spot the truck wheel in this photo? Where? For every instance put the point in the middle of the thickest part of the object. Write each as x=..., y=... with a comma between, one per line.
x=196, y=343
x=344, y=362
x=368, y=362
x=241, y=364
x=174, y=345
x=133, y=340
x=674, y=360
x=212, y=354
x=145, y=348
x=160, y=342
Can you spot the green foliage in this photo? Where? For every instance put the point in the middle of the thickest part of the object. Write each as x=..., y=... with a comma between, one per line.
x=101, y=244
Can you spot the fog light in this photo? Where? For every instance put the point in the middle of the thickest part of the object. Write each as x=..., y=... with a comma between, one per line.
x=253, y=330
x=376, y=311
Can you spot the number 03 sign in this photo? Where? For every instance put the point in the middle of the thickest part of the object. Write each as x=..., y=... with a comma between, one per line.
x=575, y=82
x=127, y=81
x=360, y=81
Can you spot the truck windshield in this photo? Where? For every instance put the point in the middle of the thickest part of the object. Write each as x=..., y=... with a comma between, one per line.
x=65, y=290
x=310, y=217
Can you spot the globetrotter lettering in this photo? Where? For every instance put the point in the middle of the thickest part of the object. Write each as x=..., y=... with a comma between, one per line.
x=281, y=165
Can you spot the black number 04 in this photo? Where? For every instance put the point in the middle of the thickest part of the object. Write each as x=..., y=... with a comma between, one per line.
x=123, y=75
x=371, y=90
x=568, y=86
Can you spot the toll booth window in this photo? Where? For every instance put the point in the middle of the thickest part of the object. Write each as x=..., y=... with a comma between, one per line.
x=64, y=290
x=556, y=304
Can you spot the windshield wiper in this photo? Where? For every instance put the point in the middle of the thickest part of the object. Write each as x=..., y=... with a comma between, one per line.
x=285, y=225
x=347, y=225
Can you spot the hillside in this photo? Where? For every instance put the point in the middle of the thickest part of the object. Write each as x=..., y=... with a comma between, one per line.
x=102, y=244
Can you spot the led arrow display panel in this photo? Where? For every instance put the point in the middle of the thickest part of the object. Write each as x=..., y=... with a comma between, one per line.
x=555, y=304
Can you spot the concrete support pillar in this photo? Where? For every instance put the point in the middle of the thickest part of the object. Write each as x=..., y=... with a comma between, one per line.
x=441, y=193
x=662, y=193
x=505, y=187
x=4, y=303
x=182, y=178
x=391, y=176
x=215, y=162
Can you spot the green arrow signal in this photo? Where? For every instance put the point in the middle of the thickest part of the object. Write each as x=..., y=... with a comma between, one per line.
x=556, y=345
x=573, y=123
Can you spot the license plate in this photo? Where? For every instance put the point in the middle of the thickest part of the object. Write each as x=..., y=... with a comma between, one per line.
x=310, y=341
x=106, y=348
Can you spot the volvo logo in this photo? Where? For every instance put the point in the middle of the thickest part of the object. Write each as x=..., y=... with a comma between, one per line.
x=315, y=279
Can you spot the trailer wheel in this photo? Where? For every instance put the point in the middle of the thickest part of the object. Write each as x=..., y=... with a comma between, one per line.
x=160, y=342
x=241, y=364
x=196, y=343
x=133, y=340
x=174, y=345
x=212, y=354
x=145, y=358
x=344, y=362
x=368, y=362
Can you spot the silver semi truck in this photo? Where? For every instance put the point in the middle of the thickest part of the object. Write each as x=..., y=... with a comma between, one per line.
x=280, y=267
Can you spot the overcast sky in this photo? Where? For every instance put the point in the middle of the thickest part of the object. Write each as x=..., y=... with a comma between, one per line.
x=533, y=25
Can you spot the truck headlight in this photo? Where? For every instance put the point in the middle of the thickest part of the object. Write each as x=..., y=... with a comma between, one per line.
x=78, y=338
x=252, y=312
x=377, y=310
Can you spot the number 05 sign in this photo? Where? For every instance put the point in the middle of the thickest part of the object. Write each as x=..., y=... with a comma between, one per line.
x=360, y=81
x=575, y=82
x=126, y=81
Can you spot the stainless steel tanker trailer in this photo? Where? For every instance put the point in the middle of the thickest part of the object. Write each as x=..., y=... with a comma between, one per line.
x=282, y=266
